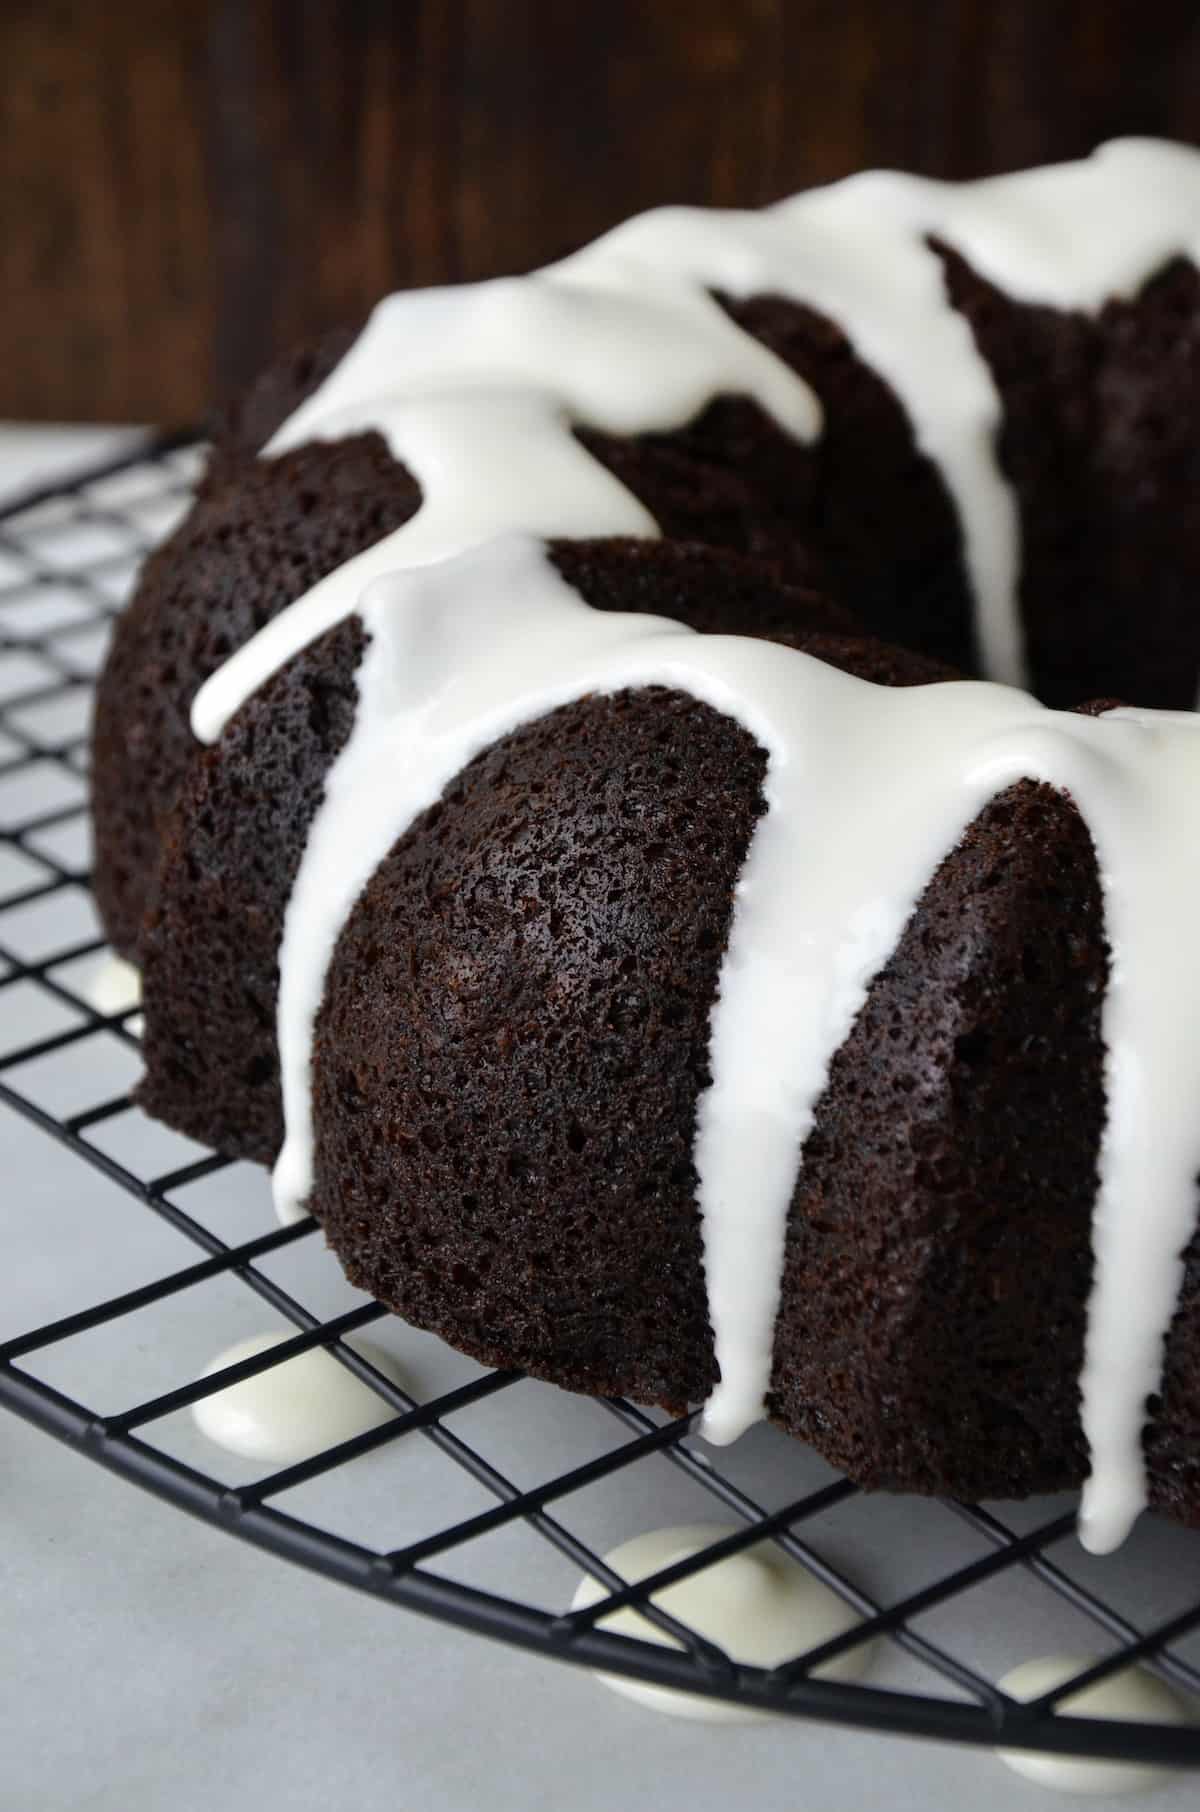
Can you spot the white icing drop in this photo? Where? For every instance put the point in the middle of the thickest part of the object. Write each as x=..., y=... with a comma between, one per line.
x=759, y=1606
x=475, y=390
x=288, y=1210
x=293, y=1409
x=1135, y=1696
x=114, y=985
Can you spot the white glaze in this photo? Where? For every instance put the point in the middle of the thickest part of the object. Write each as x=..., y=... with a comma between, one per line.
x=475, y=388
x=490, y=443
x=288, y=1208
x=759, y=1606
x=1135, y=1695
x=294, y=1409
x=475, y=391
x=114, y=985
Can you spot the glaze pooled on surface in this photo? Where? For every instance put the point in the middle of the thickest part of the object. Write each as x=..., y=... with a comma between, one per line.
x=294, y=1409
x=1135, y=1695
x=758, y=1605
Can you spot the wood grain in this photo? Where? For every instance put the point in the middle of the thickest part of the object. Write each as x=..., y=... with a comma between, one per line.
x=189, y=185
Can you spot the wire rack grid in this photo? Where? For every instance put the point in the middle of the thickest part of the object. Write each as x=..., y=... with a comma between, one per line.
x=56, y=607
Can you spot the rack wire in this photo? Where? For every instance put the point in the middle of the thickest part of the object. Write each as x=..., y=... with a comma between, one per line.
x=48, y=658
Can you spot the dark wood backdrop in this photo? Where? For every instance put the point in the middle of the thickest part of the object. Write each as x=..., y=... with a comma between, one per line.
x=188, y=184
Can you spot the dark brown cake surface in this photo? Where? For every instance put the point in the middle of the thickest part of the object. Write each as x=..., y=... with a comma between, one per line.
x=248, y=549
x=1099, y=442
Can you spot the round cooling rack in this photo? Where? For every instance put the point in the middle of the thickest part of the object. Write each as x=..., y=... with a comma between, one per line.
x=482, y=1497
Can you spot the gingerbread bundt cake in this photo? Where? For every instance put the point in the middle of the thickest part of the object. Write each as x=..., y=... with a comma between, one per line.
x=653, y=974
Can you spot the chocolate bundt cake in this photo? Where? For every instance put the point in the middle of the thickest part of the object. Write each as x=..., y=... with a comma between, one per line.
x=651, y=973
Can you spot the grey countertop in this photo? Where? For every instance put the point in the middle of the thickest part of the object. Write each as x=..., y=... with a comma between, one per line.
x=154, y=1662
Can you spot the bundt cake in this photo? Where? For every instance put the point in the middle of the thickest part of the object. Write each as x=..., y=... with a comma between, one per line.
x=651, y=973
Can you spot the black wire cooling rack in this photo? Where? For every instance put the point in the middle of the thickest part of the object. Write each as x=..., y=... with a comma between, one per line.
x=55, y=609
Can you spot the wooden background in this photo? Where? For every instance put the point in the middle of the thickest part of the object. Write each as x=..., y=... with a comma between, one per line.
x=189, y=184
